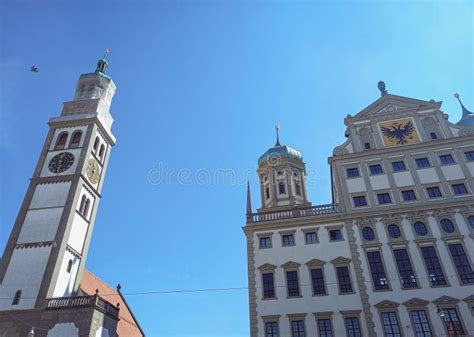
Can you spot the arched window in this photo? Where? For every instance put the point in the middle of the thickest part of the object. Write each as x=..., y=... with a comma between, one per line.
x=96, y=144
x=101, y=152
x=420, y=228
x=61, y=141
x=69, y=266
x=297, y=188
x=368, y=233
x=82, y=205
x=447, y=225
x=16, y=298
x=296, y=182
x=394, y=231
x=86, y=207
x=281, y=187
x=267, y=192
x=470, y=219
x=76, y=139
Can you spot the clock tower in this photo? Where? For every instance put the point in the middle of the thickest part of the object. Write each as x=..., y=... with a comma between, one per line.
x=46, y=252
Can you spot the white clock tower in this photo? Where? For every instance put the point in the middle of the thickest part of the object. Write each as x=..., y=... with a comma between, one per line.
x=47, y=249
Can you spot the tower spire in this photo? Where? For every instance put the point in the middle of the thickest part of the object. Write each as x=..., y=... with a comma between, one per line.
x=277, y=129
x=249, y=201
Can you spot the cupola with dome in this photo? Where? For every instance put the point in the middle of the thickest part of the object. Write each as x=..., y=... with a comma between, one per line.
x=282, y=175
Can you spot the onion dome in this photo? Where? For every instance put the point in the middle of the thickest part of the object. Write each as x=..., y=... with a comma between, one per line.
x=467, y=118
x=275, y=154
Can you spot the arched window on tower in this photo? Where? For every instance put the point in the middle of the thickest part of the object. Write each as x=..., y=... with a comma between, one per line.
x=76, y=139
x=86, y=207
x=61, y=141
x=96, y=144
x=69, y=266
x=82, y=206
x=16, y=298
x=102, y=152
x=297, y=183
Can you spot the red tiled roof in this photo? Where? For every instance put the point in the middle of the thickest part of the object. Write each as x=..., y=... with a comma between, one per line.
x=127, y=325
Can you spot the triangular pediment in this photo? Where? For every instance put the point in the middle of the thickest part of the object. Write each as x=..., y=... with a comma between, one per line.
x=386, y=304
x=341, y=260
x=267, y=267
x=390, y=104
x=446, y=300
x=416, y=302
x=469, y=299
x=315, y=263
x=290, y=265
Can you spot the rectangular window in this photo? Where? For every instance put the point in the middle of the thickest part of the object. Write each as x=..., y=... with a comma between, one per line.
x=288, y=240
x=446, y=159
x=317, y=280
x=311, y=238
x=390, y=324
x=405, y=268
x=422, y=163
x=435, y=272
x=398, y=166
x=434, y=192
x=384, y=198
x=408, y=195
x=377, y=270
x=469, y=155
x=453, y=323
x=344, y=280
x=352, y=172
x=376, y=169
x=292, y=283
x=421, y=323
x=353, y=327
x=324, y=327
x=297, y=329
x=367, y=146
x=360, y=201
x=462, y=264
x=271, y=329
x=335, y=235
x=268, y=285
x=433, y=135
x=459, y=189
x=265, y=242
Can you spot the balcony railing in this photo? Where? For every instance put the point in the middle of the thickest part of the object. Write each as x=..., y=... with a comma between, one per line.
x=82, y=301
x=292, y=213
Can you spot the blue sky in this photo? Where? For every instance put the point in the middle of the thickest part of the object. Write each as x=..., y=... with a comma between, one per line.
x=200, y=85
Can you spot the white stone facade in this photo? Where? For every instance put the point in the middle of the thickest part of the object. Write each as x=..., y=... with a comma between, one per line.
x=404, y=208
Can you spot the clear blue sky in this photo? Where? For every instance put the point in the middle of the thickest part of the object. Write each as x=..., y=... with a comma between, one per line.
x=200, y=86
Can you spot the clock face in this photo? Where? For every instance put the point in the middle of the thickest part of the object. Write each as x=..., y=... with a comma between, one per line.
x=93, y=171
x=399, y=132
x=61, y=162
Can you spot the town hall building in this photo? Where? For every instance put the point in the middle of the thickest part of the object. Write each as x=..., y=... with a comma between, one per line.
x=392, y=255
x=45, y=290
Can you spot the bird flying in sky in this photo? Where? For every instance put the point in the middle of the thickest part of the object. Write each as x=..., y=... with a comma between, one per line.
x=34, y=69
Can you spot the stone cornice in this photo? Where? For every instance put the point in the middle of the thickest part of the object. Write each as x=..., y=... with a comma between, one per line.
x=396, y=149
x=329, y=219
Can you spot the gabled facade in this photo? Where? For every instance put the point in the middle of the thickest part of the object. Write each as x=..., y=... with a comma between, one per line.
x=397, y=236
